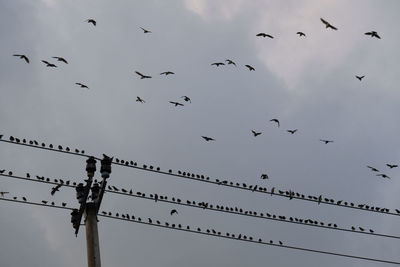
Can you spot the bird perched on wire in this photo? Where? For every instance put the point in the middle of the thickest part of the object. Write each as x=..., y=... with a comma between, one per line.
x=138, y=99
x=48, y=64
x=373, y=34
x=144, y=30
x=55, y=189
x=276, y=121
x=176, y=103
x=262, y=34
x=301, y=34
x=186, y=98
x=91, y=21
x=256, y=133
x=82, y=85
x=208, y=138
x=250, y=68
x=328, y=25
x=174, y=211
x=22, y=57
x=142, y=76
x=61, y=59
x=360, y=77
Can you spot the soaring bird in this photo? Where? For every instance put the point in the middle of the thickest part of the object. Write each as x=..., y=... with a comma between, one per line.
x=176, y=103
x=373, y=169
x=250, y=68
x=230, y=62
x=208, y=138
x=48, y=64
x=326, y=141
x=91, y=21
x=186, y=98
x=144, y=30
x=22, y=57
x=138, y=99
x=392, y=165
x=301, y=34
x=383, y=175
x=360, y=77
x=61, y=59
x=173, y=212
x=262, y=34
x=82, y=85
x=328, y=25
x=142, y=76
x=256, y=133
x=264, y=176
x=292, y=131
x=55, y=189
x=217, y=64
x=373, y=34
x=166, y=73
x=275, y=120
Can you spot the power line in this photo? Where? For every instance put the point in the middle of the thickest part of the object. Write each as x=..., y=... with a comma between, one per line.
x=201, y=178
x=214, y=233
x=235, y=211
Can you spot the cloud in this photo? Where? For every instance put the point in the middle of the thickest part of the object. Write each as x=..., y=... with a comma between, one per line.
x=215, y=9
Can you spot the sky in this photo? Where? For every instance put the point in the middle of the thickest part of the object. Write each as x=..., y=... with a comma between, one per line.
x=307, y=83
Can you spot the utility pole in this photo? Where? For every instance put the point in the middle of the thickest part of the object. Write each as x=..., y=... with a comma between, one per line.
x=91, y=208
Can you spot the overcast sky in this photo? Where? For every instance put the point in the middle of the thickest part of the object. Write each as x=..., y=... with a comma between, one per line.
x=307, y=83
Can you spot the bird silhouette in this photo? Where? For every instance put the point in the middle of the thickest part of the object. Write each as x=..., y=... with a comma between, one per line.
x=176, y=103
x=44, y=201
x=383, y=175
x=391, y=166
x=372, y=168
x=301, y=34
x=2, y=193
x=2, y=171
x=166, y=73
x=276, y=120
x=142, y=76
x=138, y=99
x=264, y=176
x=55, y=189
x=373, y=34
x=144, y=30
x=64, y=204
x=61, y=59
x=24, y=198
x=186, y=98
x=22, y=57
x=218, y=64
x=48, y=64
x=91, y=21
x=174, y=211
x=292, y=131
x=250, y=68
x=326, y=141
x=360, y=77
x=328, y=25
x=82, y=85
x=256, y=133
x=230, y=62
x=208, y=138
x=262, y=34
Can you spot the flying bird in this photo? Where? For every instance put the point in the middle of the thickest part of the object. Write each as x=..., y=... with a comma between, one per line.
x=186, y=98
x=392, y=166
x=262, y=34
x=48, y=64
x=383, y=175
x=82, y=85
x=292, y=131
x=61, y=59
x=173, y=212
x=144, y=30
x=91, y=21
x=328, y=25
x=326, y=141
x=166, y=73
x=264, y=176
x=250, y=68
x=373, y=169
x=22, y=57
x=256, y=133
x=301, y=34
x=176, y=103
x=360, y=77
x=208, y=138
x=142, y=76
x=138, y=99
x=217, y=64
x=55, y=189
x=373, y=34
x=275, y=120
x=230, y=62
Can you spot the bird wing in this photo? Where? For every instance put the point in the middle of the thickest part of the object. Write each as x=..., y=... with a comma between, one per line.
x=368, y=33
x=26, y=58
x=270, y=36
x=325, y=22
x=45, y=62
x=138, y=73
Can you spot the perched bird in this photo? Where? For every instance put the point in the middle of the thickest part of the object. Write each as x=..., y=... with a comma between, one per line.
x=328, y=25
x=301, y=34
x=2, y=171
x=48, y=64
x=22, y=57
x=292, y=131
x=166, y=73
x=24, y=198
x=383, y=175
x=276, y=120
x=61, y=59
x=91, y=21
x=360, y=77
x=208, y=138
x=392, y=166
x=2, y=193
x=144, y=30
x=142, y=76
x=64, y=204
x=138, y=99
x=373, y=34
x=264, y=176
x=256, y=133
x=230, y=62
x=373, y=169
x=186, y=98
x=250, y=68
x=262, y=34
x=173, y=212
x=326, y=141
x=82, y=85
x=55, y=189
x=44, y=201
x=217, y=64
x=176, y=103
